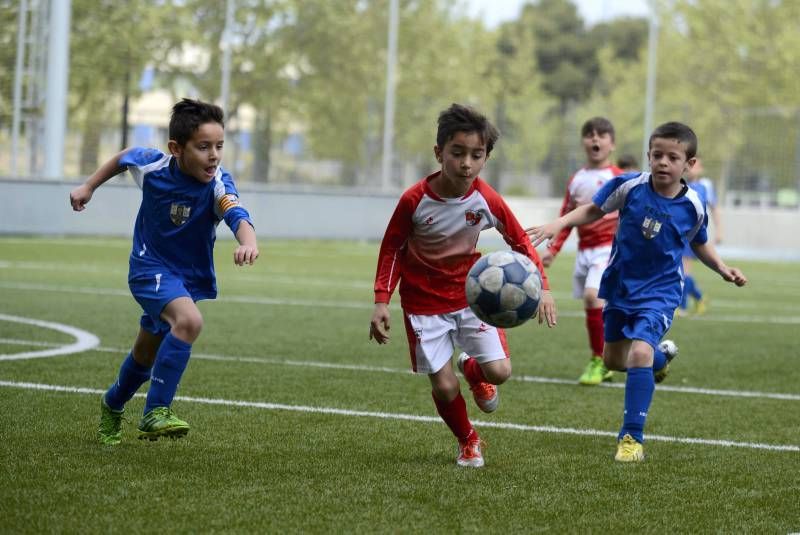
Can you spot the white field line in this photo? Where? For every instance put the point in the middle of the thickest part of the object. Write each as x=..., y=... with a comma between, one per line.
x=363, y=305
x=83, y=340
x=386, y=369
x=294, y=280
x=411, y=417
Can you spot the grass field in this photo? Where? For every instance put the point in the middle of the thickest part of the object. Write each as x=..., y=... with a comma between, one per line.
x=300, y=424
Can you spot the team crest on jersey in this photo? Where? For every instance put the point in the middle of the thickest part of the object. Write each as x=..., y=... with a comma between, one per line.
x=179, y=213
x=473, y=217
x=650, y=227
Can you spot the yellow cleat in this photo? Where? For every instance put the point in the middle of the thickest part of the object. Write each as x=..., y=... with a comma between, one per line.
x=629, y=451
x=700, y=307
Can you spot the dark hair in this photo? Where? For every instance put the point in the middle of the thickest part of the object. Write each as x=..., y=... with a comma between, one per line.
x=601, y=125
x=460, y=118
x=627, y=161
x=188, y=115
x=680, y=133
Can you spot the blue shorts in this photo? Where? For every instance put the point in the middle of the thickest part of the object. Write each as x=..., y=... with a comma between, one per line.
x=153, y=291
x=647, y=325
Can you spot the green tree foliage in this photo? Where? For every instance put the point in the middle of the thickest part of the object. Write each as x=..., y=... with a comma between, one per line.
x=110, y=44
x=9, y=12
x=739, y=60
x=566, y=59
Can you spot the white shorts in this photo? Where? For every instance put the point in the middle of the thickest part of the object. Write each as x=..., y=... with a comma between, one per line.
x=589, y=267
x=432, y=339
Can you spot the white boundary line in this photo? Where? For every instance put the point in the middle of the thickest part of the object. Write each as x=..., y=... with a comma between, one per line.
x=386, y=369
x=412, y=417
x=83, y=340
x=361, y=305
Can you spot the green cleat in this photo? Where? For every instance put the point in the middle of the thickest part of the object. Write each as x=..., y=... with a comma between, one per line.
x=595, y=372
x=110, y=429
x=670, y=350
x=162, y=422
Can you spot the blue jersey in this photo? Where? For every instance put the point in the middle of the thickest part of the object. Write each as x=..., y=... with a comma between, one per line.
x=645, y=270
x=176, y=225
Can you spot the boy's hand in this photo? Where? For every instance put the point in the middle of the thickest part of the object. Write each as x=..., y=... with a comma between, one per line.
x=79, y=196
x=543, y=232
x=379, y=324
x=245, y=254
x=547, y=258
x=547, y=309
x=733, y=275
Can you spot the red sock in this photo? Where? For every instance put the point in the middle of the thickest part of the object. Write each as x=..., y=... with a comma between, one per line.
x=473, y=371
x=594, y=324
x=454, y=415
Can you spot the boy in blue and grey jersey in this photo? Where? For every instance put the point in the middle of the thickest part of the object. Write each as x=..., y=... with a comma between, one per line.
x=643, y=283
x=185, y=194
x=705, y=188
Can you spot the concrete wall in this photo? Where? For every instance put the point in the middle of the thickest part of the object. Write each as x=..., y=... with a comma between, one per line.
x=37, y=207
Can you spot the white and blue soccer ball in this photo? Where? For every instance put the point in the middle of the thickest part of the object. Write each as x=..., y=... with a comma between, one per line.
x=504, y=288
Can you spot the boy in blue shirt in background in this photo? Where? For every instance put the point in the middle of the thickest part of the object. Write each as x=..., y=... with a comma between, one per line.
x=185, y=194
x=703, y=185
x=643, y=283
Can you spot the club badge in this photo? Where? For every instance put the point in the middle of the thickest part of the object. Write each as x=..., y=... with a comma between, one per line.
x=179, y=213
x=473, y=217
x=650, y=227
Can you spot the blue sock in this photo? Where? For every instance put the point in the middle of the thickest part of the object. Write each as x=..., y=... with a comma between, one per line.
x=171, y=361
x=691, y=288
x=132, y=375
x=684, y=297
x=639, y=387
x=659, y=360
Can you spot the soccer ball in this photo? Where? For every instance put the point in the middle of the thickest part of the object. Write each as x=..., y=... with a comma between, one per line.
x=504, y=288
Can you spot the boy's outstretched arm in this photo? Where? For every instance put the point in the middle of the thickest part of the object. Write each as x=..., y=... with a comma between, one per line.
x=581, y=215
x=707, y=254
x=81, y=195
x=247, y=252
x=379, y=325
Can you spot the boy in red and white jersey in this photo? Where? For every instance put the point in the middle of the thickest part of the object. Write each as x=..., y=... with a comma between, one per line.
x=428, y=248
x=594, y=239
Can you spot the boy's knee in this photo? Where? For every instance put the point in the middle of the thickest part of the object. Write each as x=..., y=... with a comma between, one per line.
x=640, y=358
x=446, y=391
x=498, y=373
x=188, y=326
x=613, y=363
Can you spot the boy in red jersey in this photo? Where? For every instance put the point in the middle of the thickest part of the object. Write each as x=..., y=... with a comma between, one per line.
x=594, y=239
x=429, y=247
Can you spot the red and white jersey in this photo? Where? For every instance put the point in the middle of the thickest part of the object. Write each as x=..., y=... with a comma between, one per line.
x=580, y=190
x=429, y=245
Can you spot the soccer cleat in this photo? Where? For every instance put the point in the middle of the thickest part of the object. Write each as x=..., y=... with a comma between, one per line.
x=162, y=422
x=595, y=372
x=670, y=350
x=700, y=307
x=110, y=429
x=485, y=394
x=469, y=452
x=629, y=451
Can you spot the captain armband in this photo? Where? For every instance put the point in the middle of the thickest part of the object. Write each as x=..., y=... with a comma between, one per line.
x=226, y=202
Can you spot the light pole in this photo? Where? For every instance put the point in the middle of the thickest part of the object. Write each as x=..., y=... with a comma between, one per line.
x=388, y=111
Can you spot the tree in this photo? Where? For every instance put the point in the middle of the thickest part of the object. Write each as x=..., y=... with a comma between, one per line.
x=110, y=44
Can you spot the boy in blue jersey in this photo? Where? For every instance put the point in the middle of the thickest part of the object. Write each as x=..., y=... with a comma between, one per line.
x=185, y=194
x=697, y=180
x=643, y=283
